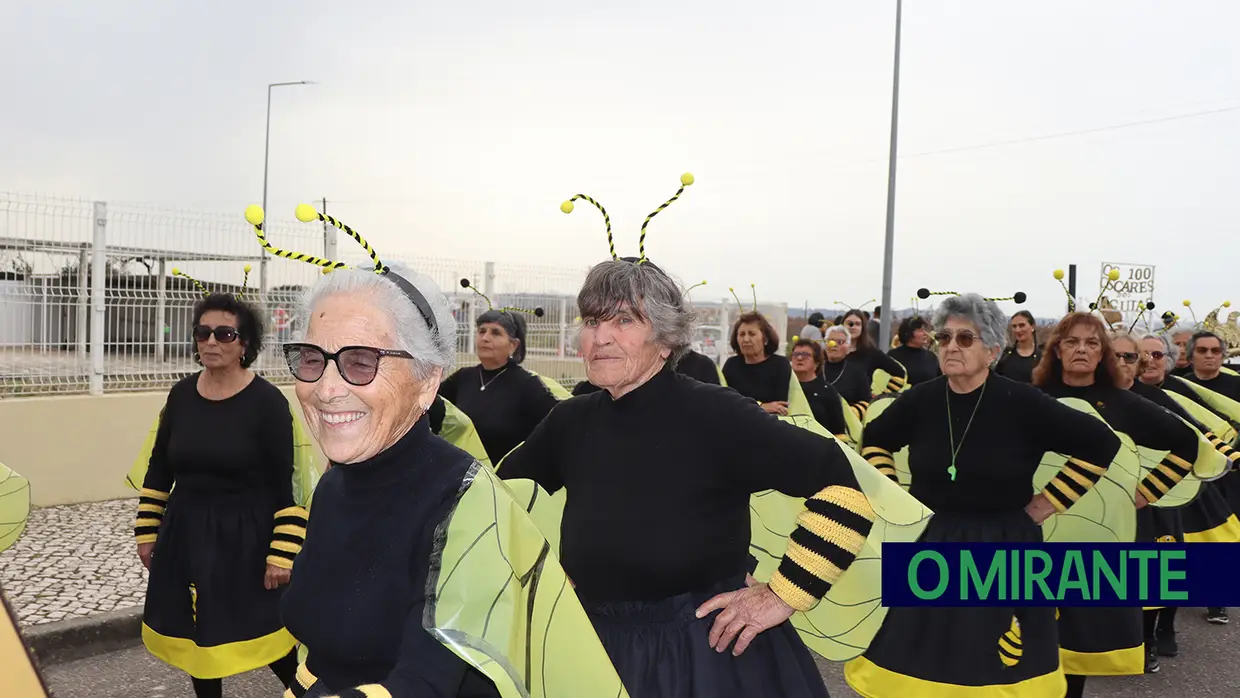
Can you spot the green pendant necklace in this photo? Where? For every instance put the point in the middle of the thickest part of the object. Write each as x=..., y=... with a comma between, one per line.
x=951, y=470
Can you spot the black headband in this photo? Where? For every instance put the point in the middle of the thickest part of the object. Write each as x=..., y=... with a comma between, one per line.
x=416, y=296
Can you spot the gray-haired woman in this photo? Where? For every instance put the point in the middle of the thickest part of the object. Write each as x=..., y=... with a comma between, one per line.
x=659, y=469
x=975, y=440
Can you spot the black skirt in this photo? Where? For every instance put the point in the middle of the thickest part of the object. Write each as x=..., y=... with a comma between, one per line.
x=937, y=652
x=1209, y=518
x=1102, y=641
x=661, y=650
x=207, y=611
x=1229, y=487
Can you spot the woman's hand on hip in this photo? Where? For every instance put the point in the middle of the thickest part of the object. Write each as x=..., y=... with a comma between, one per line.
x=1039, y=508
x=775, y=407
x=276, y=577
x=745, y=613
x=144, y=553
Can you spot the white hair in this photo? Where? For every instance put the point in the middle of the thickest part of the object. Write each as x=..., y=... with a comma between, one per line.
x=840, y=330
x=991, y=323
x=1171, y=350
x=429, y=350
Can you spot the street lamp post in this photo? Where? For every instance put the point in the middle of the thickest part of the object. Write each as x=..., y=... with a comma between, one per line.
x=262, y=265
x=884, y=325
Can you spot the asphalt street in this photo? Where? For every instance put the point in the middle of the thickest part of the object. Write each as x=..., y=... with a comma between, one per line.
x=1208, y=665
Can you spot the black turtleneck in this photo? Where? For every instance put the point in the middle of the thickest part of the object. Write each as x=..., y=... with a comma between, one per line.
x=505, y=404
x=826, y=405
x=765, y=382
x=358, y=589
x=659, y=483
x=849, y=379
x=922, y=365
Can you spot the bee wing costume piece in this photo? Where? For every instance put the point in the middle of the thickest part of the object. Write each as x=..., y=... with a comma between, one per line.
x=458, y=430
x=14, y=506
x=17, y=664
x=497, y=596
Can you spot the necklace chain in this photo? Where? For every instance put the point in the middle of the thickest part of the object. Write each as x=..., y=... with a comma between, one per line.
x=484, y=385
x=955, y=449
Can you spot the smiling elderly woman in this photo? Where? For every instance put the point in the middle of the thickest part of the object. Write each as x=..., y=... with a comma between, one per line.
x=659, y=469
x=374, y=353
x=975, y=468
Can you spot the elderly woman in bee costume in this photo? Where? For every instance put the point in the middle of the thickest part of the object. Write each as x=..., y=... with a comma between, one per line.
x=421, y=575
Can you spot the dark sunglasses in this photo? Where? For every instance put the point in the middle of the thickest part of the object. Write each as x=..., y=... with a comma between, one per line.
x=356, y=365
x=1157, y=355
x=802, y=355
x=223, y=334
x=1128, y=357
x=1209, y=350
x=964, y=338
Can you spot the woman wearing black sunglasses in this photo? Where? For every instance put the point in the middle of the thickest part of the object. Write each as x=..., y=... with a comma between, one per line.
x=220, y=546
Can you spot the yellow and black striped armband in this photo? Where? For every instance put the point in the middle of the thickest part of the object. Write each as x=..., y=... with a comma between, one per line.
x=288, y=537
x=301, y=684
x=895, y=385
x=881, y=460
x=829, y=534
x=370, y=690
x=1072, y=482
x=1168, y=474
x=859, y=409
x=151, y=506
x=1227, y=451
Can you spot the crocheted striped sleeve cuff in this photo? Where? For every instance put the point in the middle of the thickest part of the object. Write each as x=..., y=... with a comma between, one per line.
x=1160, y=480
x=1072, y=482
x=151, y=506
x=288, y=537
x=882, y=461
x=829, y=535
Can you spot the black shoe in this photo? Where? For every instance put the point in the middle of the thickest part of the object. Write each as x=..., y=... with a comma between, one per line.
x=1217, y=616
x=1151, y=662
x=1166, y=646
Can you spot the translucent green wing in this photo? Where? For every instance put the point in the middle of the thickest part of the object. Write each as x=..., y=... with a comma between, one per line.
x=305, y=470
x=900, y=457
x=559, y=391
x=853, y=422
x=722, y=381
x=502, y=602
x=798, y=404
x=1216, y=424
x=458, y=430
x=14, y=506
x=843, y=624
x=882, y=382
x=1225, y=406
x=545, y=510
x=1228, y=371
x=1107, y=513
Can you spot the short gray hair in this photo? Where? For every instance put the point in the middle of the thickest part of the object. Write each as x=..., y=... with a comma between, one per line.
x=1171, y=350
x=1205, y=334
x=648, y=292
x=991, y=323
x=429, y=350
x=838, y=329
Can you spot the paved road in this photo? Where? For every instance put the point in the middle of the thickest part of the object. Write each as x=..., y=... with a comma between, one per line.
x=1208, y=666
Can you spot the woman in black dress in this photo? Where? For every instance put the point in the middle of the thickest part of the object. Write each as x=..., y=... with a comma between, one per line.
x=220, y=546
x=869, y=357
x=845, y=375
x=1080, y=362
x=758, y=371
x=504, y=401
x=1023, y=353
x=824, y=401
x=914, y=351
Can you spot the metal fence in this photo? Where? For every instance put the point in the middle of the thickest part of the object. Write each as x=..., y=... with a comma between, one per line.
x=89, y=304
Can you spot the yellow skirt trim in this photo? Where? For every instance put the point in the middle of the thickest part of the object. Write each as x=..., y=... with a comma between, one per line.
x=1126, y=662
x=1226, y=532
x=873, y=681
x=219, y=661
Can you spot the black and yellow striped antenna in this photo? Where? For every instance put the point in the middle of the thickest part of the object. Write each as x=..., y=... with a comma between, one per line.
x=1111, y=277
x=1020, y=296
x=1071, y=301
x=536, y=312
x=183, y=275
x=686, y=180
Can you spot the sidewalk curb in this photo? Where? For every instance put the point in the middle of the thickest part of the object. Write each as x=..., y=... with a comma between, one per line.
x=78, y=638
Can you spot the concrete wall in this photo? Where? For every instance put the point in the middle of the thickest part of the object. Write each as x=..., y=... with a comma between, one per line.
x=79, y=448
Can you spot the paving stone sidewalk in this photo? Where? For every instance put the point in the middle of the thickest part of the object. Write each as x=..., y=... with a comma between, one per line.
x=74, y=561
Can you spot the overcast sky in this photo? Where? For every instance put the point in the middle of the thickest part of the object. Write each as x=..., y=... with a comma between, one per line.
x=456, y=129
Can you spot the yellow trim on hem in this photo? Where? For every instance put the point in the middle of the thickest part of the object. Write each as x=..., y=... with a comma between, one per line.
x=1129, y=661
x=1226, y=532
x=873, y=681
x=218, y=661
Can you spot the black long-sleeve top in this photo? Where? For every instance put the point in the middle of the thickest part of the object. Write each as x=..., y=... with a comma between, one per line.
x=1016, y=367
x=1014, y=426
x=826, y=405
x=694, y=365
x=242, y=444
x=849, y=379
x=505, y=404
x=358, y=592
x=1224, y=384
x=922, y=365
x=768, y=381
x=1148, y=425
x=659, y=483
x=1159, y=395
x=871, y=359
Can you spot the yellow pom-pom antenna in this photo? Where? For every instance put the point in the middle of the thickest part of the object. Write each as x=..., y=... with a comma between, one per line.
x=1188, y=304
x=1059, y=274
x=567, y=207
x=686, y=179
x=796, y=338
x=875, y=300
x=754, y=290
x=245, y=282
x=832, y=343
x=739, y=306
x=701, y=283
x=1226, y=304
x=1113, y=275
x=1071, y=301
x=254, y=214
x=306, y=213
x=536, y=312
x=183, y=275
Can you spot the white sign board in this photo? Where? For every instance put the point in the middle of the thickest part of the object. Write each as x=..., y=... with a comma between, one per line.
x=1130, y=292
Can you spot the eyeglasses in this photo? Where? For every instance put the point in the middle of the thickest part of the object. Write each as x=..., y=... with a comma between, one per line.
x=1209, y=350
x=852, y=323
x=964, y=338
x=802, y=355
x=1156, y=355
x=1128, y=357
x=223, y=334
x=356, y=365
